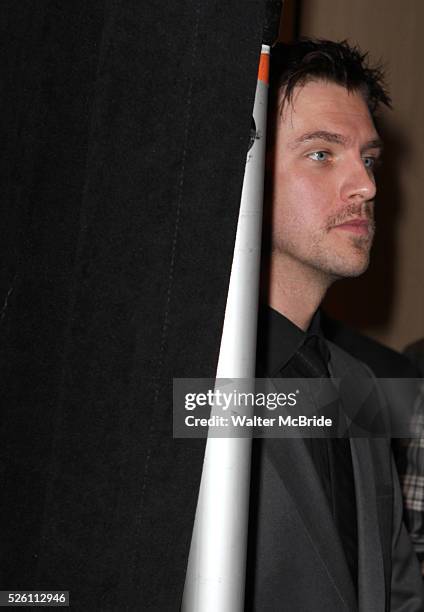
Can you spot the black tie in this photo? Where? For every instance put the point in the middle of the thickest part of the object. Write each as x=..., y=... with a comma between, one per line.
x=332, y=456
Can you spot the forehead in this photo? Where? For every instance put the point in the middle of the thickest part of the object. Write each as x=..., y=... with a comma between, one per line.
x=321, y=105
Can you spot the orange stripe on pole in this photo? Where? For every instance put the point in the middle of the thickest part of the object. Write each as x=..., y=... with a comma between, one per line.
x=263, y=71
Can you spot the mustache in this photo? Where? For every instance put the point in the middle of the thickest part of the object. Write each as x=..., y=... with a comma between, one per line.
x=363, y=211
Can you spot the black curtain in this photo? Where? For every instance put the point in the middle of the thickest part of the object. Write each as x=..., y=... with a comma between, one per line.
x=126, y=126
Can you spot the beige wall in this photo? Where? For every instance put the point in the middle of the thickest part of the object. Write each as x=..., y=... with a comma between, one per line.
x=388, y=302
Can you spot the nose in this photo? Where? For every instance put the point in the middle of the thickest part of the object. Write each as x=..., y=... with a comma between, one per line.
x=359, y=183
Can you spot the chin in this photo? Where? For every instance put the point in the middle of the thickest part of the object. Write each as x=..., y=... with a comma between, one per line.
x=349, y=269
x=352, y=262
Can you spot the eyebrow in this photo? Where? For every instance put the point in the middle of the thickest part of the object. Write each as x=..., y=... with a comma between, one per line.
x=376, y=143
x=334, y=138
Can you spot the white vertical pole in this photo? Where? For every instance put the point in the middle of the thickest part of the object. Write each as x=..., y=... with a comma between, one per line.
x=215, y=580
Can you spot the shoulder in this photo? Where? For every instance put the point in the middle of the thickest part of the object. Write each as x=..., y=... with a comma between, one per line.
x=383, y=361
x=415, y=352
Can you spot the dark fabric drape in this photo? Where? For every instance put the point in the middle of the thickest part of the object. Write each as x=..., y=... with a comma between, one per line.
x=126, y=126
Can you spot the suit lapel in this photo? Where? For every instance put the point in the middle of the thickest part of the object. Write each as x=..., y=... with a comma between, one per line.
x=371, y=581
x=293, y=463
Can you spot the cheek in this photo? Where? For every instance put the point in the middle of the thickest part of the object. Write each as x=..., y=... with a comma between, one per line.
x=300, y=199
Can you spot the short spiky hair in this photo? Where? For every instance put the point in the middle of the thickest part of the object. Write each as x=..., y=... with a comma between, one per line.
x=308, y=59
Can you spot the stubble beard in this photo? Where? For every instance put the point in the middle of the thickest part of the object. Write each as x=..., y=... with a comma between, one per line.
x=355, y=264
x=327, y=258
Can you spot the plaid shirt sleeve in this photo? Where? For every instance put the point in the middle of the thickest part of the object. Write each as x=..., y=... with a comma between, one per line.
x=412, y=480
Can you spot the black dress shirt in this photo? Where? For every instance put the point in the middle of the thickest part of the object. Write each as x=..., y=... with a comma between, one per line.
x=284, y=350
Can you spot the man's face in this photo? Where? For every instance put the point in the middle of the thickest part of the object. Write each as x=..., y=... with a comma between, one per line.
x=323, y=181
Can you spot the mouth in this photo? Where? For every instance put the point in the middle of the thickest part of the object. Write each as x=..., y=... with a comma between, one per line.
x=361, y=227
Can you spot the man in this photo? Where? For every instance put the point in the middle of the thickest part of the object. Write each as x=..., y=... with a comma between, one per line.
x=326, y=528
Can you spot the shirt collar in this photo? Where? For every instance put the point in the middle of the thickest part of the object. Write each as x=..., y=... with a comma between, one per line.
x=279, y=339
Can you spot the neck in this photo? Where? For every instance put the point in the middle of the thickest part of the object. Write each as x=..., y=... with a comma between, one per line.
x=295, y=290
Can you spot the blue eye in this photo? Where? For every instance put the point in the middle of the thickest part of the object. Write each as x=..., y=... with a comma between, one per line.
x=369, y=162
x=319, y=156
